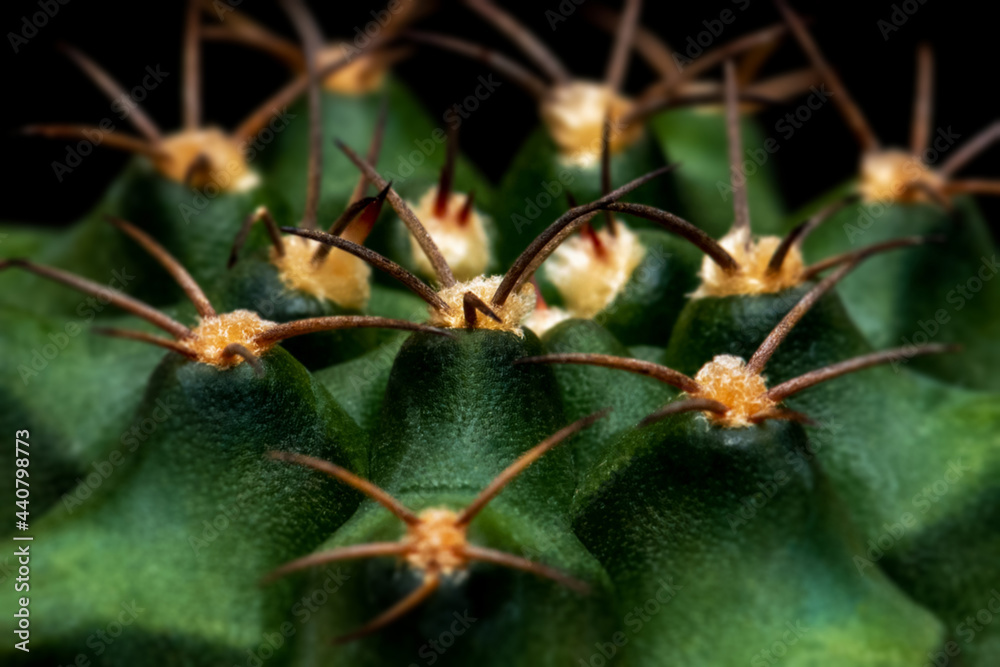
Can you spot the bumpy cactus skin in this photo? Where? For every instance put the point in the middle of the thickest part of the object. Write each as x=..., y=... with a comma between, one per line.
x=683, y=454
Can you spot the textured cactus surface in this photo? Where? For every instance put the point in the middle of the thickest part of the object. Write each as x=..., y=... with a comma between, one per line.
x=619, y=407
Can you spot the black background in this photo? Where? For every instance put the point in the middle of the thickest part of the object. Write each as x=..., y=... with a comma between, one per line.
x=40, y=85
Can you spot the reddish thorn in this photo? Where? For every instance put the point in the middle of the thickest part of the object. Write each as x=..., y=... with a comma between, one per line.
x=599, y=250
x=466, y=212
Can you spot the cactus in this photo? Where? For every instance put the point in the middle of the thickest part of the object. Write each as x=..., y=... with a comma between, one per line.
x=661, y=422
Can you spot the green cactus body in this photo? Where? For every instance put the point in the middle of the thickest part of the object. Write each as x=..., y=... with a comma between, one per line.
x=944, y=292
x=879, y=438
x=456, y=413
x=584, y=389
x=667, y=514
x=197, y=508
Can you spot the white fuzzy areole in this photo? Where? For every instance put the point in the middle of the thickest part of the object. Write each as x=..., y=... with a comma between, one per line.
x=588, y=283
x=543, y=319
x=226, y=168
x=464, y=246
x=889, y=176
x=512, y=313
x=342, y=278
x=574, y=114
x=363, y=74
x=752, y=276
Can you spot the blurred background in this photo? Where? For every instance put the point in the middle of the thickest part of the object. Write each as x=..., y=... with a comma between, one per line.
x=876, y=62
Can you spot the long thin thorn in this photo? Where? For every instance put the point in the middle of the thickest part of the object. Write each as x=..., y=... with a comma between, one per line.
x=146, y=337
x=521, y=264
x=252, y=34
x=531, y=84
x=353, y=552
x=764, y=37
x=923, y=100
x=973, y=187
x=971, y=149
x=781, y=88
x=109, y=294
x=495, y=557
x=638, y=366
x=192, y=66
x=653, y=50
x=402, y=512
x=447, y=173
x=781, y=414
x=522, y=462
x=114, y=91
x=849, y=109
x=752, y=62
x=409, y=218
x=472, y=305
x=374, y=147
x=313, y=324
x=397, y=611
x=407, y=279
x=168, y=262
x=532, y=47
x=670, y=86
x=857, y=255
x=763, y=354
x=737, y=180
x=646, y=108
x=312, y=42
x=241, y=236
x=606, y=169
x=797, y=236
x=685, y=405
x=622, y=49
x=110, y=139
x=785, y=389
x=253, y=361
x=682, y=228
